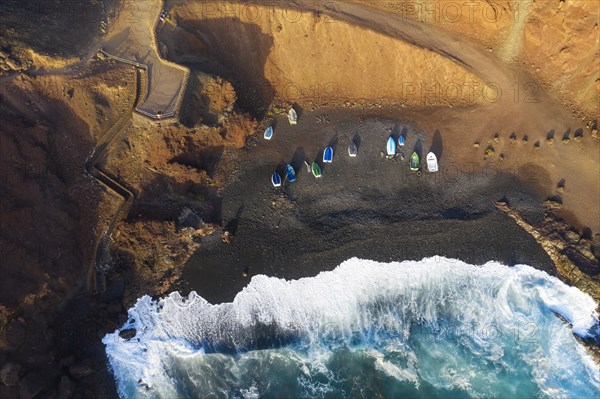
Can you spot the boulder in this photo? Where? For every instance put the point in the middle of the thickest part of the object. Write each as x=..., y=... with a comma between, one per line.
x=596, y=245
x=13, y=64
x=31, y=385
x=552, y=204
x=15, y=335
x=227, y=237
x=10, y=374
x=82, y=369
x=189, y=218
x=572, y=236
x=587, y=252
x=66, y=388
x=127, y=333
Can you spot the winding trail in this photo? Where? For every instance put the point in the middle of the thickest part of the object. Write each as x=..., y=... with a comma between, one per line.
x=101, y=262
x=159, y=92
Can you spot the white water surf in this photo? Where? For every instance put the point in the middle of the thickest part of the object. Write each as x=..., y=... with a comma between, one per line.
x=438, y=324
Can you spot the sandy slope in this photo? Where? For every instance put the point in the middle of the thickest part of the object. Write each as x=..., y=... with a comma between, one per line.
x=364, y=53
x=556, y=41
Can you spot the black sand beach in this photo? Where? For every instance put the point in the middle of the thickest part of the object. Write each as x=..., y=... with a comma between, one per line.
x=366, y=207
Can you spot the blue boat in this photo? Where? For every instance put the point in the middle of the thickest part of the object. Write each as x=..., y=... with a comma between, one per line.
x=290, y=173
x=391, y=147
x=328, y=155
x=276, y=179
x=269, y=133
x=401, y=140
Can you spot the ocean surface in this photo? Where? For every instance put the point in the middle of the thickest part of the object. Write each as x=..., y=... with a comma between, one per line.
x=434, y=328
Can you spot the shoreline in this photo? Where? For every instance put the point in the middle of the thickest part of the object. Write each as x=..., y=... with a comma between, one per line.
x=366, y=207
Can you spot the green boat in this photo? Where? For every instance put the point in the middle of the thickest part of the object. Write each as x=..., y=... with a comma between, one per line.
x=415, y=162
x=316, y=170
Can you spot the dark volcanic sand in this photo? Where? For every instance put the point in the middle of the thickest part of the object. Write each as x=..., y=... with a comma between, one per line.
x=366, y=207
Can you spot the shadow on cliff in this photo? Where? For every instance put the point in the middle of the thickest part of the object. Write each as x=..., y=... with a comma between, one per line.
x=225, y=51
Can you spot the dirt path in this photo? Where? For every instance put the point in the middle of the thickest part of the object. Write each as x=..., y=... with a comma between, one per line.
x=132, y=40
x=132, y=37
x=94, y=166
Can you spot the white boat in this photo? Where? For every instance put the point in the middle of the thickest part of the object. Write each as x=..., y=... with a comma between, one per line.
x=269, y=133
x=352, y=149
x=432, y=163
x=391, y=147
x=292, y=116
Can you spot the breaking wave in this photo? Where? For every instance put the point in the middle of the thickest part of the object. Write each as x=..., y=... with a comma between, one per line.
x=438, y=327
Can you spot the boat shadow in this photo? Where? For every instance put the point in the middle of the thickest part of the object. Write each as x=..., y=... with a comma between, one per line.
x=404, y=133
x=234, y=223
x=419, y=148
x=333, y=143
x=280, y=168
x=356, y=140
x=298, y=159
x=437, y=146
x=299, y=110
x=319, y=159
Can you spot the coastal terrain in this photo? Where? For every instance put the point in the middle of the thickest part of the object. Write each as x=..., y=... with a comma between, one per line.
x=133, y=161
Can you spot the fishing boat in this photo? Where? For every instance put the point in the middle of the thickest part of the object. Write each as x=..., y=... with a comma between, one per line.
x=432, y=163
x=290, y=173
x=415, y=162
x=269, y=133
x=328, y=155
x=401, y=140
x=352, y=149
x=316, y=170
x=276, y=180
x=292, y=116
x=391, y=147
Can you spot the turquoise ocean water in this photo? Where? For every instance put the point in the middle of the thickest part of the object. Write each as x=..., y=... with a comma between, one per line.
x=433, y=328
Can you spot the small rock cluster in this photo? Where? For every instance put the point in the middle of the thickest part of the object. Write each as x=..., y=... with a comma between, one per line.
x=11, y=63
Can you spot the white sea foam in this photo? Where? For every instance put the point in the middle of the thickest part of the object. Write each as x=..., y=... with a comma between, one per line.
x=450, y=324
